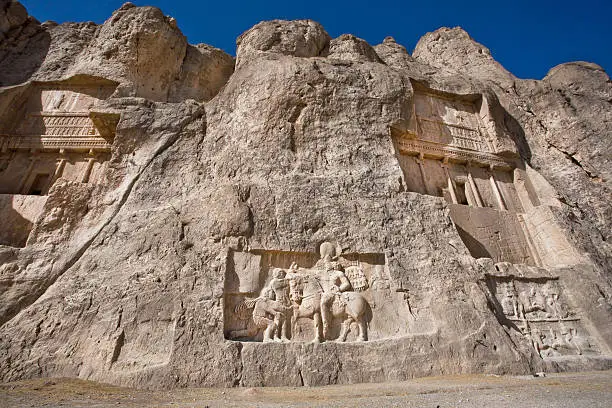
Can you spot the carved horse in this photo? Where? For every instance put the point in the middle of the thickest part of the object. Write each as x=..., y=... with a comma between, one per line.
x=311, y=301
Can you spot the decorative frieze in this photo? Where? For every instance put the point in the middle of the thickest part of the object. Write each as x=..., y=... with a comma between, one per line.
x=408, y=144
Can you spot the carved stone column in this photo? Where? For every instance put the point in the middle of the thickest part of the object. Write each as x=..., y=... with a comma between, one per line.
x=449, y=181
x=496, y=192
x=24, y=180
x=421, y=162
x=5, y=161
x=473, y=187
x=462, y=182
x=59, y=170
x=4, y=144
x=90, y=163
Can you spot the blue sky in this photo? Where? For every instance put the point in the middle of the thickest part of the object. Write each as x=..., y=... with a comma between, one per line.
x=527, y=37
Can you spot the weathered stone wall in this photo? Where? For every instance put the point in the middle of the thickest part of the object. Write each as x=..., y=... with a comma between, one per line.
x=19, y=213
x=128, y=280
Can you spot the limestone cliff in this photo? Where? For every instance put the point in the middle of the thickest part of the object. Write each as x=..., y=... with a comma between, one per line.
x=168, y=209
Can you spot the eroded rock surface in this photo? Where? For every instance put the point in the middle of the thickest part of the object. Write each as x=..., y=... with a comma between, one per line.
x=176, y=222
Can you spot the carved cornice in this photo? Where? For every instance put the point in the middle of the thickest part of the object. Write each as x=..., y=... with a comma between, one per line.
x=70, y=131
x=407, y=143
x=74, y=143
x=461, y=136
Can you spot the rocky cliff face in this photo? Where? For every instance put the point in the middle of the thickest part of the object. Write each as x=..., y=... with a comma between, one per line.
x=448, y=213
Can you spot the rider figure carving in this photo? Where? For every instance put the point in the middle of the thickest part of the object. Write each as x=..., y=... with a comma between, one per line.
x=332, y=277
x=333, y=281
x=325, y=292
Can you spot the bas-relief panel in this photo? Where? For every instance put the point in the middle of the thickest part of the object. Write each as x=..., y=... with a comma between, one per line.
x=291, y=296
x=76, y=98
x=540, y=310
x=449, y=122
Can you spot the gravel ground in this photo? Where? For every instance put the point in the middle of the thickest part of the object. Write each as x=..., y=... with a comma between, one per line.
x=576, y=390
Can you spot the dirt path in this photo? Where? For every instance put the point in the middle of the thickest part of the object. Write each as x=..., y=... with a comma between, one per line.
x=593, y=389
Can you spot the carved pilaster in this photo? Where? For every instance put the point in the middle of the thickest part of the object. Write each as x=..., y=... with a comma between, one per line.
x=473, y=187
x=449, y=182
x=90, y=163
x=496, y=192
x=23, y=185
x=421, y=161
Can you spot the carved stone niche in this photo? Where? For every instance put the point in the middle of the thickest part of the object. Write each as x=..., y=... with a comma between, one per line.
x=540, y=310
x=452, y=146
x=299, y=296
x=55, y=131
x=50, y=130
x=448, y=148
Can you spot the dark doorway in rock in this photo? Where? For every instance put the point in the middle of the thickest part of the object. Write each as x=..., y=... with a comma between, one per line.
x=39, y=185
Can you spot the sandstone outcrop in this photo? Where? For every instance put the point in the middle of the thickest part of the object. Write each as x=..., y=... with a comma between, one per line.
x=138, y=47
x=173, y=221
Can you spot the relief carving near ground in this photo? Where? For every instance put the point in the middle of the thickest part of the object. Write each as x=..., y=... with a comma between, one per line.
x=298, y=297
x=539, y=309
x=327, y=292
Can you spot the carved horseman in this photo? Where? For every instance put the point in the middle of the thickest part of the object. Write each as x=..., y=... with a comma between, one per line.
x=326, y=292
x=333, y=282
x=530, y=302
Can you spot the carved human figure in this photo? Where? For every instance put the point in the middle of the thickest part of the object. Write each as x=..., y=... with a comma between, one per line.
x=552, y=306
x=532, y=336
x=542, y=342
x=575, y=340
x=378, y=280
x=280, y=286
x=333, y=279
x=531, y=302
x=509, y=302
x=292, y=278
x=267, y=314
x=539, y=342
x=327, y=252
x=334, y=282
x=56, y=102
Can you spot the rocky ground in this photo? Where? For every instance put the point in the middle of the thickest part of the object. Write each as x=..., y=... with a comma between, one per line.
x=590, y=389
